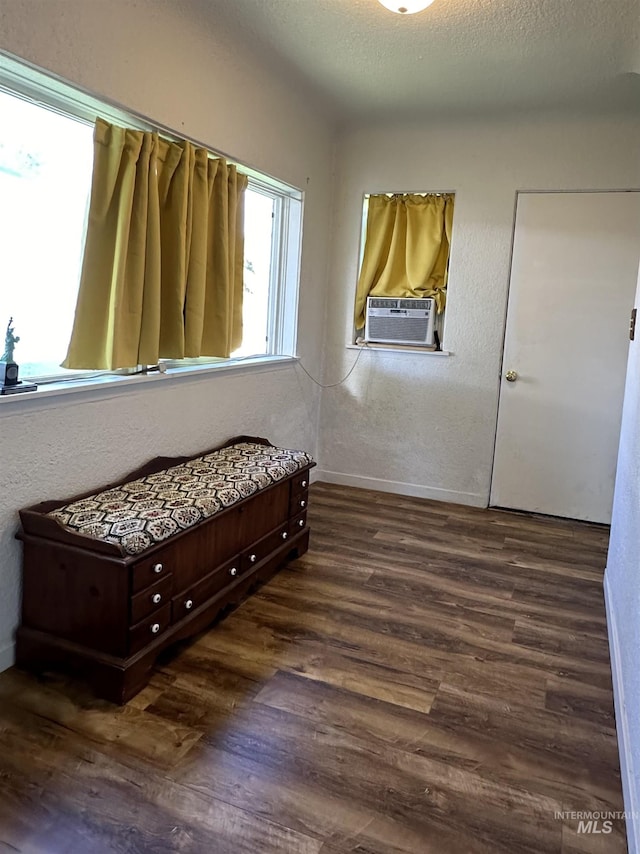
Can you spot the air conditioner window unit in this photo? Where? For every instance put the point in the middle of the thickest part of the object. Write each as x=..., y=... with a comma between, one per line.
x=399, y=321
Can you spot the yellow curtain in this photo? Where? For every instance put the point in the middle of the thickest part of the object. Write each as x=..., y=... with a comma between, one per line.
x=406, y=250
x=162, y=274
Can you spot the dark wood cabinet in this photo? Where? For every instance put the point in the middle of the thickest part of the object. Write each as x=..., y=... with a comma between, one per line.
x=89, y=607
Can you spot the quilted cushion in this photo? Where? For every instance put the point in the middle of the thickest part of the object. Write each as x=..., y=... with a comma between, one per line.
x=146, y=511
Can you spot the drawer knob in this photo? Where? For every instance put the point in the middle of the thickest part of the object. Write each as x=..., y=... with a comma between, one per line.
x=304, y=484
x=301, y=523
x=157, y=568
x=253, y=558
x=156, y=598
x=284, y=535
x=188, y=604
x=233, y=570
x=303, y=503
x=155, y=628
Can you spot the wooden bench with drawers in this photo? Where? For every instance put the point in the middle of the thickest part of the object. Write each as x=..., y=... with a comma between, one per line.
x=107, y=596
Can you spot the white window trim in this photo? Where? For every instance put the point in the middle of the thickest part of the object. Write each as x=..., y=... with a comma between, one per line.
x=399, y=348
x=24, y=80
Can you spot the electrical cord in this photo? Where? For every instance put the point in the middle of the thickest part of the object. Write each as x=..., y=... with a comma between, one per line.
x=343, y=380
x=164, y=368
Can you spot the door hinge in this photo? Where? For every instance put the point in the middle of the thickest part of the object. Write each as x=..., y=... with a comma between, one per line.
x=632, y=324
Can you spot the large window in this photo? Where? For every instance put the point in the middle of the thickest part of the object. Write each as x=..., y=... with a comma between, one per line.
x=46, y=154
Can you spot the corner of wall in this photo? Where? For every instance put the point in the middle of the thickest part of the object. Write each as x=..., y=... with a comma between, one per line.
x=324, y=322
x=628, y=777
x=7, y=657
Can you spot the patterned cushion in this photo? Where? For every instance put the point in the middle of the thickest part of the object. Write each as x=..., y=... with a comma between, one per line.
x=147, y=511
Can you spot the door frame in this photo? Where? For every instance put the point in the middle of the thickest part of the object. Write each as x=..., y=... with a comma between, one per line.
x=519, y=193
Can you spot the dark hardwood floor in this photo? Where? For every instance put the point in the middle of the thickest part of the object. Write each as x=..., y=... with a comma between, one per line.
x=428, y=678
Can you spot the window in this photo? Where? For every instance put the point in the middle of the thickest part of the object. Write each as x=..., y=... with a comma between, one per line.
x=46, y=156
x=45, y=178
x=258, y=236
x=404, y=269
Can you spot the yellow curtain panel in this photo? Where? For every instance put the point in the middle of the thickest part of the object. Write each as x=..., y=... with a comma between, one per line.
x=162, y=275
x=406, y=251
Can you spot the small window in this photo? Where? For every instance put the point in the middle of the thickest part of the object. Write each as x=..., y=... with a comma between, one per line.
x=46, y=160
x=404, y=269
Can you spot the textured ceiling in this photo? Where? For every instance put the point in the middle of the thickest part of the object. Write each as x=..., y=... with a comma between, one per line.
x=455, y=57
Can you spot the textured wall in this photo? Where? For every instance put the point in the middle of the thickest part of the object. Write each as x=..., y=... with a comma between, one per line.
x=164, y=60
x=422, y=424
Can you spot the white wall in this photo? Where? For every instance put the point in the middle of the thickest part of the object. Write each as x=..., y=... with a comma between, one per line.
x=422, y=424
x=622, y=588
x=167, y=61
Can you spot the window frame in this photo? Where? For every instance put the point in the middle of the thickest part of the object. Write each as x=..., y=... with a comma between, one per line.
x=357, y=341
x=44, y=89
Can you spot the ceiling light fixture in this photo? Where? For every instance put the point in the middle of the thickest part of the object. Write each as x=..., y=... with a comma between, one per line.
x=406, y=7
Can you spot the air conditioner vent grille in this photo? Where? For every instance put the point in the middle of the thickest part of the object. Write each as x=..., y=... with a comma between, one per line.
x=410, y=329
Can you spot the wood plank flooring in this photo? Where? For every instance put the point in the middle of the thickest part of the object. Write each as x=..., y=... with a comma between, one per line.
x=427, y=679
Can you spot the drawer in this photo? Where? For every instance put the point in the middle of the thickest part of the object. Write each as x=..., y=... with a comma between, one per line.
x=260, y=550
x=148, y=630
x=299, y=503
x=149, y=600
x=199, y=593
x=298, y=524
x=147, y=571
x=299, y=483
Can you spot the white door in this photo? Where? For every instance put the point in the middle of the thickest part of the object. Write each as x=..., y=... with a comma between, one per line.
x=573, y=278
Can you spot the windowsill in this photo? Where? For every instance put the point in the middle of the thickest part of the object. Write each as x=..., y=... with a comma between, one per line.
x=109, y=385
x=399, y=348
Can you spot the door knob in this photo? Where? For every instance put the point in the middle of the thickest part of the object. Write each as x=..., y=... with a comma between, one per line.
x=511, y=376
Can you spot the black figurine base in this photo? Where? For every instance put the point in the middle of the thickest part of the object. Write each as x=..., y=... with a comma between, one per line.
x=9, y=382
x=18, y=388
x=8, y=373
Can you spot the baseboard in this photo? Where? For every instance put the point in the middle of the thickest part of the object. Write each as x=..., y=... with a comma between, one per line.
x=398, y=487
x=313, y=475
x=629, y=791
x=7, y=656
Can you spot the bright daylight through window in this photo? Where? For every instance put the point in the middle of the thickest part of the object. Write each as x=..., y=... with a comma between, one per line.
x=45, y=176
x=45, y=180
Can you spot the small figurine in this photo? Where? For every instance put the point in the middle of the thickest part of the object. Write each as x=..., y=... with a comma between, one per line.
x=10, y=342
